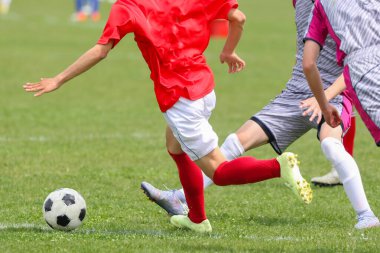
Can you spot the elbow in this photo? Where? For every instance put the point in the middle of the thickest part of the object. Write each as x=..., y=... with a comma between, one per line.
x=101, y=51
x=241, y=18
x=237, y=17
x=102, y=54
x=308, y=66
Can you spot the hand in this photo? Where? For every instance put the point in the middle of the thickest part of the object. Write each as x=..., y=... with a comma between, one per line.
x=311, y=107
x=235, y=64
x=44, y=86
x=331, y=116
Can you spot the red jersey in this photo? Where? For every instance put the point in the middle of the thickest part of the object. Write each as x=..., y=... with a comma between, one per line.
x=172, y=36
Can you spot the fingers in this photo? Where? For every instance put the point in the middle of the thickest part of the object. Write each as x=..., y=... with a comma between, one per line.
x=32, y=87
x=333, y=120
x=230, y=67
x=305, y=108
x=240, y=66
x=38, y=88
x=334, y=123
x=314, y=115
x=337, y=120
x=307, y=111
x=305, y=104
x=319, y=117
x=235, y=67
x=39, y=93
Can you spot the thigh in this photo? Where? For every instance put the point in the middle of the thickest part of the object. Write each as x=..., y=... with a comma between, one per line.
x=251, y=135
x=328, y=131
x=189, y=123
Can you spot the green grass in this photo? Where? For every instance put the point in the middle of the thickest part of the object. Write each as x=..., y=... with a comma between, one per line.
x=103, y=134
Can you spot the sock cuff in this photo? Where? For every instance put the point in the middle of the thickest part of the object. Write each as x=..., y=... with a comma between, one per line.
x=232, y=147
x=176, y=155
x=331, y=140
x=216, y=177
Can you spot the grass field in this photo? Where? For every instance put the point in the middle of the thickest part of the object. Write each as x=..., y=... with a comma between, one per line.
x=103, y=134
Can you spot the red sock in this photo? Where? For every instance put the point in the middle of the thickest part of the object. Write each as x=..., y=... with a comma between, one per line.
x=191, y=179
x=246, y=170
x=349, y=138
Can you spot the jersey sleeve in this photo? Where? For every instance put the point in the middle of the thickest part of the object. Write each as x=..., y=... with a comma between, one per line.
x=120, y=22
x=219, y=9
x=317, y=30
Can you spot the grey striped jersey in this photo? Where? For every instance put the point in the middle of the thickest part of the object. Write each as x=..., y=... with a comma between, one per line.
x=354, y=24
x=328, y=68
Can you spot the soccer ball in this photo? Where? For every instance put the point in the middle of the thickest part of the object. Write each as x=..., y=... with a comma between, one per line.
x=64, y=209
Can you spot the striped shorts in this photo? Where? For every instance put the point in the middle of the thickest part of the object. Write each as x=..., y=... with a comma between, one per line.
x=283, y=123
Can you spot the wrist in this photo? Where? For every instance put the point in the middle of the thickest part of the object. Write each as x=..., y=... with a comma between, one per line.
x=226, y=52
x=59, y=80
x=324, y=107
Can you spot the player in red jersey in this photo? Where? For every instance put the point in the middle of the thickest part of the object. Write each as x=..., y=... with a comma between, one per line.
x=172, y=36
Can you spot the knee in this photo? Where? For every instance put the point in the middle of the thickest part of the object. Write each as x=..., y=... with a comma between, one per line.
x=174, y=148
x=172, y=145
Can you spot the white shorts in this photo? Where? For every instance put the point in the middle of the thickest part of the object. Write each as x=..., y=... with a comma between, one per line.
x=188, y=120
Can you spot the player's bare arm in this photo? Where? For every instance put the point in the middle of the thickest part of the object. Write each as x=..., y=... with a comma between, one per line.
x=228, y=55
x=311, y=106
x=81, y=65
x=311, y=53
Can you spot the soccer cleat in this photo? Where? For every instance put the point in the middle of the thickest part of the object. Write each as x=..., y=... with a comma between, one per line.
x=365, y=221
x=95, y=16
x=80, y=17
x=330, y=179
x=182, y=221
x=172, y=201
x=293, y=178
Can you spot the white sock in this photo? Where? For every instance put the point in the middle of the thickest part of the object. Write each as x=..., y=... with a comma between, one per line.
x=348, y=172
x=231, y=149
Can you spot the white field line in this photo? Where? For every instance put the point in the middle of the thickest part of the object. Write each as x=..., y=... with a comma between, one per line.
x=23, y=226
x=30, y=226
x=154, y=233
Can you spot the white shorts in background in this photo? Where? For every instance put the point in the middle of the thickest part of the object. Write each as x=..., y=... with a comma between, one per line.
x=188, y=120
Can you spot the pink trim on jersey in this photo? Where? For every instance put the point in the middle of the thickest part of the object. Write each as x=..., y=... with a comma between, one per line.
x=319, y=27
x=346, y=111
x=371, y=126
x=294, y=3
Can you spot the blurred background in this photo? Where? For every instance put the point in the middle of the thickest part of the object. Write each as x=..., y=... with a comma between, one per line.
x=102, y=134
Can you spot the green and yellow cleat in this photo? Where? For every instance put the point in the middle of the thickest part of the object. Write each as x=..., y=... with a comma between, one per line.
x=293, y=179
x=182, y=221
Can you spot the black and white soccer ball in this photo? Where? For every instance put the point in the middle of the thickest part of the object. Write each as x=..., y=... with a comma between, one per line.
x=64, y=209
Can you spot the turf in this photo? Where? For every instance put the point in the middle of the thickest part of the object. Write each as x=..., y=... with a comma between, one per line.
x=102, y=134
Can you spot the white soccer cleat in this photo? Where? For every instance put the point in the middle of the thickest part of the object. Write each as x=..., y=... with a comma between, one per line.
x=330, y=179
x=365, y=221
x=293, y=178
x=182, y=221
